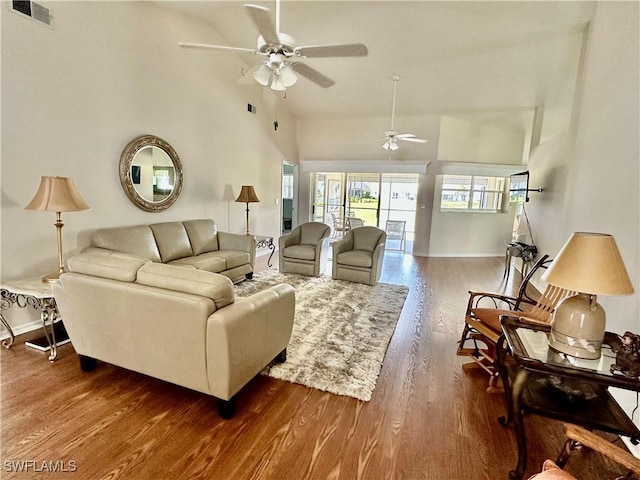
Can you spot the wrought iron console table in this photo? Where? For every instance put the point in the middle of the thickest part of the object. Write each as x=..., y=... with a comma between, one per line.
x=263, y=241
x=34, y=293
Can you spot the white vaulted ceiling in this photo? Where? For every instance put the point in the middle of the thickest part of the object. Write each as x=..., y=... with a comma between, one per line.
x=486, y=62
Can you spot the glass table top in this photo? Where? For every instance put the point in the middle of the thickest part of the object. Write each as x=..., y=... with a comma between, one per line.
x=536, y=345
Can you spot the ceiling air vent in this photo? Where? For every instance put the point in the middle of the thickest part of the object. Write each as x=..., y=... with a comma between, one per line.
x=33, y=10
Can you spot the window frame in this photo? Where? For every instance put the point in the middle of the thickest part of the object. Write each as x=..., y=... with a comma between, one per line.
x=471, y=193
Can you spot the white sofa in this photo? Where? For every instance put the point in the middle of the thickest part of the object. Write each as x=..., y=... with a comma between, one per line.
x=175, y=323
x=196, y=243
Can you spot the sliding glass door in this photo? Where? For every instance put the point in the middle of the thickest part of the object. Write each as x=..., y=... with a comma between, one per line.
x=372, y=197
x=329, y=199
x=398, y=196
x=363, y=194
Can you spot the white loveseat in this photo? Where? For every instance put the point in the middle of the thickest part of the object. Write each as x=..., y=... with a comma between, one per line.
x=175, y=323
x=195, y=243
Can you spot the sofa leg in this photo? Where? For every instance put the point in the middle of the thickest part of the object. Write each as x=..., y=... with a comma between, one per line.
x=227, y=408
x=249, y=276
x=87, y=364
x=281, y=357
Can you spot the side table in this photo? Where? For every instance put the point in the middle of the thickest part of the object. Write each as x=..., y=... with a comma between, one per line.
x=263, y=241
x=536, y=380
x=34, y=293
x=518, y=249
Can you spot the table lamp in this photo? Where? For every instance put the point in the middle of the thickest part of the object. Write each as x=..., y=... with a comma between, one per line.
x=590, y=264
x=247, y=195
x=57, y=194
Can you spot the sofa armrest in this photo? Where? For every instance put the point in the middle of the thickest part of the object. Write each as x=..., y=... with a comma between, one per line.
x=242, y=338
x=236, y=241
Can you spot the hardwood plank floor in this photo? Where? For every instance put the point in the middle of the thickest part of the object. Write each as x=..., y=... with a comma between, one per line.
x=427, y=418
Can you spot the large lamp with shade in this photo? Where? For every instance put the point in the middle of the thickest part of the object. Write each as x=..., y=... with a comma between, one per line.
x=247, y=195
x=57, y=194
x=590, y=264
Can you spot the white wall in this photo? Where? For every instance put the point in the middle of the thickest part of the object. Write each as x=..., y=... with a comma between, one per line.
x=465, y=141
x=461, y=234
x=75, y=95
x=591, y=175
x=470, y=234
x=361, y=138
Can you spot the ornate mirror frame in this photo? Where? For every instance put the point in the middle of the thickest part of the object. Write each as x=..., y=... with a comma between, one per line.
x=126, y=161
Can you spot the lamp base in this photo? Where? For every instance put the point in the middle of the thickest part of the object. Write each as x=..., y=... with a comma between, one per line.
x=52, y=277
x=578, y=327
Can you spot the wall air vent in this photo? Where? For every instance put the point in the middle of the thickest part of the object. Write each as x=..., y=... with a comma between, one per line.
x=36, y=11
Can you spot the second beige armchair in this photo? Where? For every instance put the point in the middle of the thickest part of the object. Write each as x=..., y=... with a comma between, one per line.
x=357, y=257
x=305, y=250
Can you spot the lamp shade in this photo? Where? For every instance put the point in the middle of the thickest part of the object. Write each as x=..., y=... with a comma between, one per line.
x=590, y=263
x=57, y=194
x=287, y=75
x=247, y=195
x=263, y=74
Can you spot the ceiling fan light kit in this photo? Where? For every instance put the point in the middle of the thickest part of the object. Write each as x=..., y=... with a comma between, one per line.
x=390, y=144
x=278, y=72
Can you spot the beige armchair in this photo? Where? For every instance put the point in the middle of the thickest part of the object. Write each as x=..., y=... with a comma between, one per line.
x=357, y=257
x=305, y=250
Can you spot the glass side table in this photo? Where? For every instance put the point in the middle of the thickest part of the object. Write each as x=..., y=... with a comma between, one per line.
x=540, y=380
x=34, y=293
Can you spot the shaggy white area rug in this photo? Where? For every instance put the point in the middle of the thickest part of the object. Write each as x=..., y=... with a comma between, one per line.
x=341, y=331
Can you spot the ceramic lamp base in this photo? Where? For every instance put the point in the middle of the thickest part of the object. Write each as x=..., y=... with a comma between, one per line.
x=578, y=327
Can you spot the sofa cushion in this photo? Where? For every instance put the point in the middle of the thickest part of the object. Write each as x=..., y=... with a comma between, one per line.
x=115, y=267
x=203, y=235
x=188, y=280
x=356, y=258
x=209, y=262
x=172, y=239
x=137, y=240
x=234, y=258
x=491, y=316
x=300, y=252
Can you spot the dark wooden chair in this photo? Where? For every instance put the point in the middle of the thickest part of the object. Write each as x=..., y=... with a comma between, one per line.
x=482, y=319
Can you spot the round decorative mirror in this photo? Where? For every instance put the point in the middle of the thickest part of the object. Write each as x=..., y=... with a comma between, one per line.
x=151, y=173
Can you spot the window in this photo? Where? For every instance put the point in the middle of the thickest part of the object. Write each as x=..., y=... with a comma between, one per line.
x=287, y=186
x=464, y=193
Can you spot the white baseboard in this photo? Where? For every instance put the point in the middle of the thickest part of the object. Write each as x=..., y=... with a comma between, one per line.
x=464, y=255
x=20, y=329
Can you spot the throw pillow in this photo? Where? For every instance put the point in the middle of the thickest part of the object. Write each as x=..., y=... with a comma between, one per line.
x=550, y=471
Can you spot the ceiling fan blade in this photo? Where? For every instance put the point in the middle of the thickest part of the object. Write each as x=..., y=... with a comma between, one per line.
x=312, y=74
x=218, y=47
x=405, y=135
x=346, y=50
x=412, y=139
x=262, y=21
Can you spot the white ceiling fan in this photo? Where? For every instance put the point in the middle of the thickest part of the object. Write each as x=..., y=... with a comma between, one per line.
x=393, y=135
x=279, y=69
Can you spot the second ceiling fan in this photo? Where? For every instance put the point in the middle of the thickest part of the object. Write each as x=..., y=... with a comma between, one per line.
x=279, y=69
x=393, y=135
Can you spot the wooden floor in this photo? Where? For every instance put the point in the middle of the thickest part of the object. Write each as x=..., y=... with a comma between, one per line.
x=427, y=419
